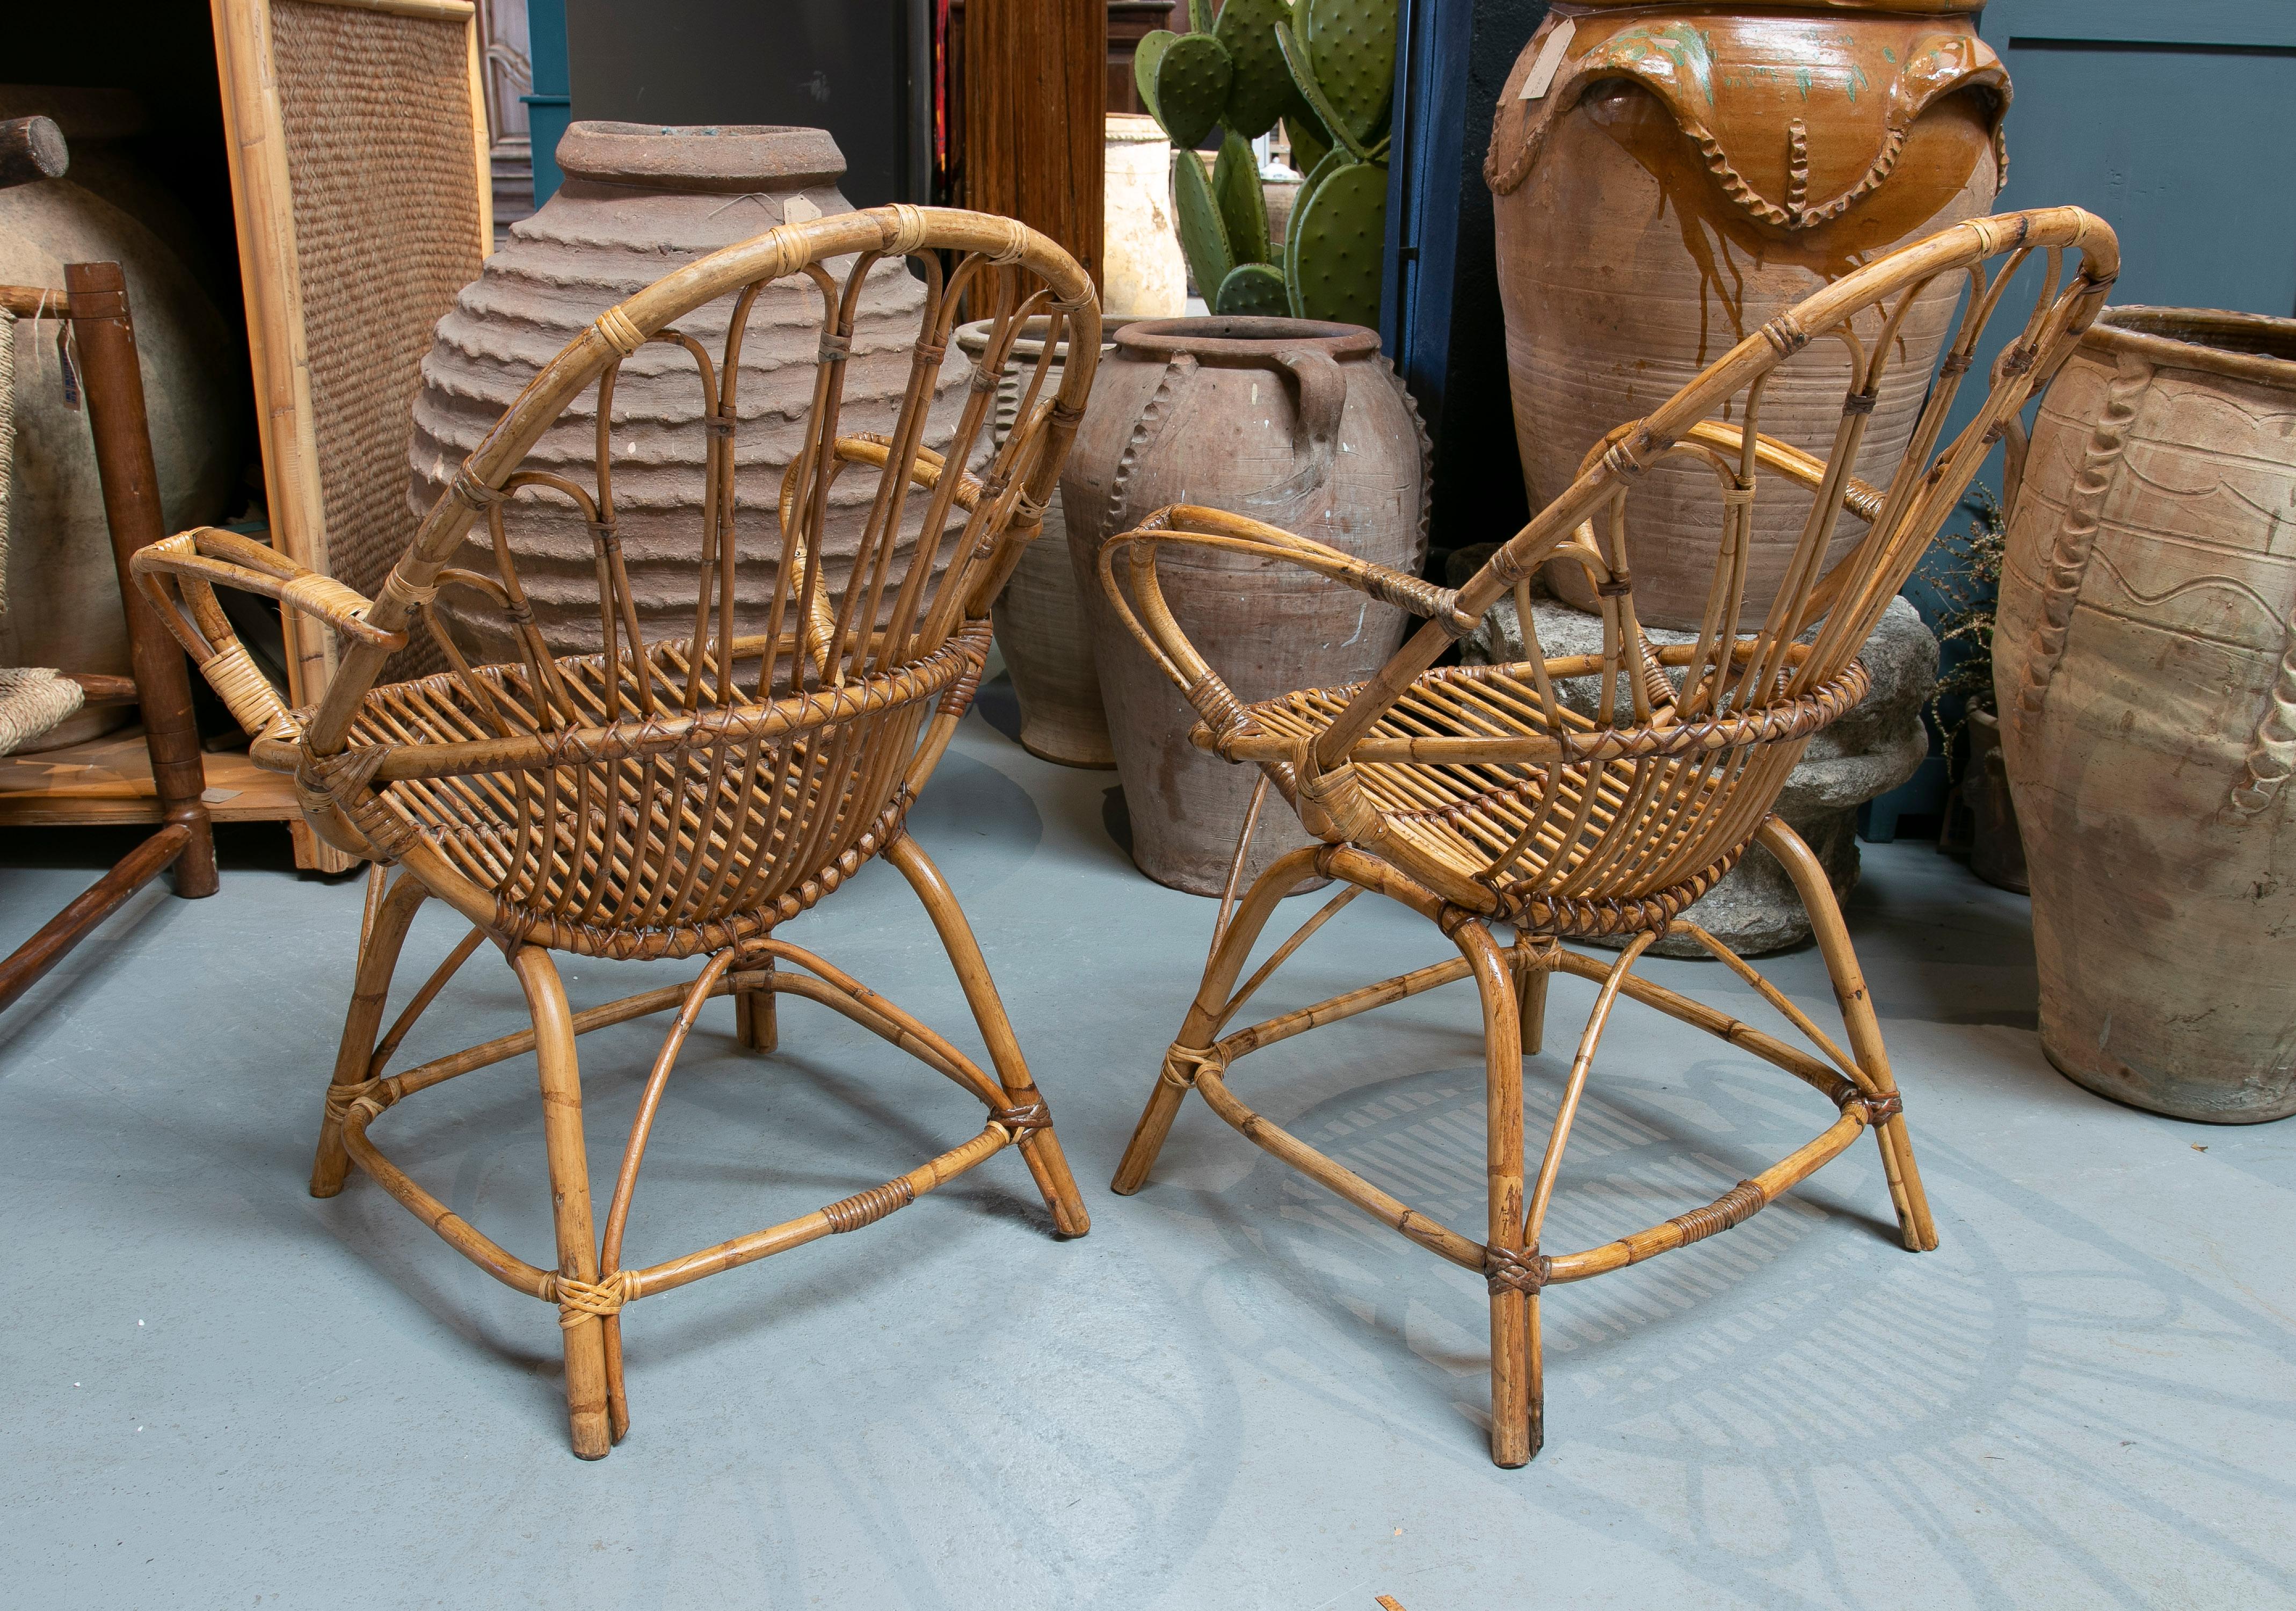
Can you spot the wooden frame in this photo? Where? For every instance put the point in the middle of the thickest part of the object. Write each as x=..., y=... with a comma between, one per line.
x=271, y=276
x=1034, y=92
x=94, y=301
x=1480, y=796
x=679, y=798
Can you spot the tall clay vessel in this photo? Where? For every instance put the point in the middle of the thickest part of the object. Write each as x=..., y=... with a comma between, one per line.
x=1289, y=420
x=2145, y=668
x=1682, y=173
x=1039, y=620
x=639, y=200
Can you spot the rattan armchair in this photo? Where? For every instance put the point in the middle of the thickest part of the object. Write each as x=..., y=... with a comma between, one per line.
x=675, y=798
x=1477, y=796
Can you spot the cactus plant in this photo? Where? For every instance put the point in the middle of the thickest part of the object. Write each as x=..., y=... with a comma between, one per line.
x=1326, y=69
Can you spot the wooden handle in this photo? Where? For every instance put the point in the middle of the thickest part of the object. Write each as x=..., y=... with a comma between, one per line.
x=31, y=149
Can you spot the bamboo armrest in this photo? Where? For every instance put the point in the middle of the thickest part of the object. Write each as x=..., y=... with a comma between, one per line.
x=180, y=574
x=1191, y=525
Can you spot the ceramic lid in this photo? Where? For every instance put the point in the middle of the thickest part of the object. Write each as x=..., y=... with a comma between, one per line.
x=715, y=158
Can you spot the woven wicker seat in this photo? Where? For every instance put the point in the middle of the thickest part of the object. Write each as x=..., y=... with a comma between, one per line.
x=677, y=795
x=1483, y=796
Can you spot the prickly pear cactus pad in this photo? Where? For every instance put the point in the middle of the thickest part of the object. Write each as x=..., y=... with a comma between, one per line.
x=1253, y=288
x=1324, y=168
x=1203, y=238
x=1352, y=54
x=1147, y=56
x=1242, y=205
x=1310, y=145
x=1335, y=238
x=1261, y=89
x=1193, y=75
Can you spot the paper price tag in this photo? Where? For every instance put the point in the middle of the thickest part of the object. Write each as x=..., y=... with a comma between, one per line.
x=1550, y=60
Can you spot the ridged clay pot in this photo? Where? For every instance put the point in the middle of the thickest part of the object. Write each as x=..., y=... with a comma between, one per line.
x=63, y=594
x=1295, y=423
x=2145, y=670
x=639, y=200
x=1039, y=620
x=1691, y=171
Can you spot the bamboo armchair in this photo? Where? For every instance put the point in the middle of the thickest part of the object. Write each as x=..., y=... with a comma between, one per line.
x=1477, y=797
x=680, y=798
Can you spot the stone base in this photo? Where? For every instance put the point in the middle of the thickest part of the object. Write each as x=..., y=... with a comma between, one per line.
x=1875, y=746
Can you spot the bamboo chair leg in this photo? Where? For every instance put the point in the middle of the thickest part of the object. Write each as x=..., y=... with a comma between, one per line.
x=1202, y=1024
x=1040, y=1149
x=379, y=949
x=1534, y=966
x=583, y=1335
x=1517, y=1401
x=754, y=1022
x=1914, y=1223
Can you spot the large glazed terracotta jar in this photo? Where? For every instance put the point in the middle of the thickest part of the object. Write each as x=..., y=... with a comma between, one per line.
x=638, y=200
x=1298, y=423
x=2144, y=670
x=1681, y=174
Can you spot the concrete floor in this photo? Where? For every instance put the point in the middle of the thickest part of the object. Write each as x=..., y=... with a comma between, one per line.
x=1234, y=1393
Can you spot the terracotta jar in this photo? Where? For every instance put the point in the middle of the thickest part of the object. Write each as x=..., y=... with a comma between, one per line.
x=2144, y=670
x=1683, y=172
x=637, y=201
x=62, y=593
x=1142, y=273
x=1291, y=422
x=1040, y=622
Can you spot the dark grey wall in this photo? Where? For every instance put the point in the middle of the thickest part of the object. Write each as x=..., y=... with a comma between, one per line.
x=847, y=66
x=1479, y=495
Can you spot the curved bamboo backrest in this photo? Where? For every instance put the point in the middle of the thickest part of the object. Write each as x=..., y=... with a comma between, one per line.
x=652, y=797
x=1583, y=818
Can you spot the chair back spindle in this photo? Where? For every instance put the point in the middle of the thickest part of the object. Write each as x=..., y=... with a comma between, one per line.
x=668, y=795
x=1491, y=786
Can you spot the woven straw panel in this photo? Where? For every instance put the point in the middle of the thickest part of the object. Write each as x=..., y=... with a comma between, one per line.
x=379, y=159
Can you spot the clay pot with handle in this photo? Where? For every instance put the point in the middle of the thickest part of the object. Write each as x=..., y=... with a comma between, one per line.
x=1667, y=178
x=1296, y=423
x=2145, y=670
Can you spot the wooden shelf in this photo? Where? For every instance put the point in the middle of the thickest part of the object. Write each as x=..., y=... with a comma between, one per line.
x=109, y=780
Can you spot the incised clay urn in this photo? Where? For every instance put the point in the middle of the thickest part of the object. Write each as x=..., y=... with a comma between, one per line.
x=2144, y=671
x=1682, y=173
x=1293, y=422
x=1040, y=622
x=639, y=200
x=1142, y=273
x=62, y=592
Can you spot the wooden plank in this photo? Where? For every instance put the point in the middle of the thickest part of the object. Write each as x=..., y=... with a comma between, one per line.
x=1035, y=105
x=109, y=780
x=271, y=279
x=481, y=130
